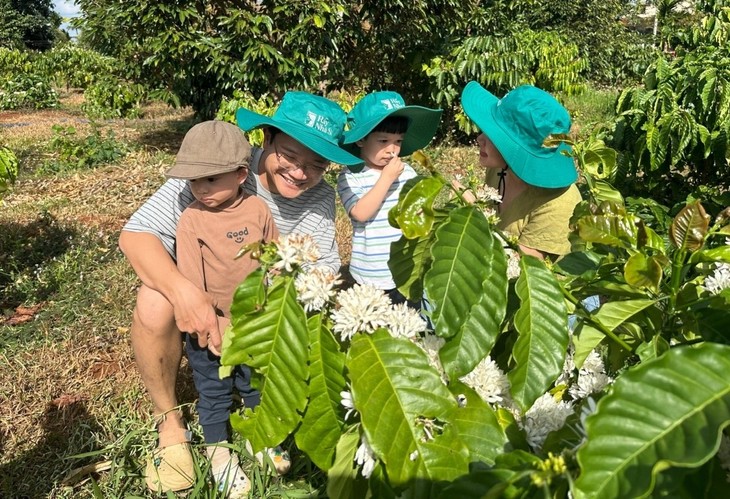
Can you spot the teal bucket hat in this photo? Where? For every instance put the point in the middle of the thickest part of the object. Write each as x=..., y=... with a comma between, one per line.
x=311, y=120
x=375, y=107
x=518, y=125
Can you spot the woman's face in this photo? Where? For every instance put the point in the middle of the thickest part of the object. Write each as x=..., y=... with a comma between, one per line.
x=489, y=156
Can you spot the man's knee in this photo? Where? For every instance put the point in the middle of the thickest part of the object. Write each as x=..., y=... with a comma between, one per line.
x=153, y=314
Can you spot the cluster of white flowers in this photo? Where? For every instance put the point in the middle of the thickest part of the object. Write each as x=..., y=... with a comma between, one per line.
x=486, y=193
x=365, y=457
x=316, y=287
x=545, y=415
x=490, y=382
x=592, y=377
x=296, y=250
x=404, y=322
x=360, y=308
x=719, y=280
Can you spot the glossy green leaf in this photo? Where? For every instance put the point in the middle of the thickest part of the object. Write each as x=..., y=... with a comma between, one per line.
x=719, y=254
x=463, y=255
x=407, y=263
x=477, y=425
x=414, y=212
x=542, y=324
x=273, y=343
x=613, y=313
x=322, y=421
x=612, y=230
x=482, y=322
x=643, y=271
x=689, y=227
x=585, y=339
x=667, y=412
x=343, y=480
x=393, y=377
x=249, y=296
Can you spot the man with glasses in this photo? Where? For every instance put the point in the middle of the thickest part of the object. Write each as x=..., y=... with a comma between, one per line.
x=300, y=140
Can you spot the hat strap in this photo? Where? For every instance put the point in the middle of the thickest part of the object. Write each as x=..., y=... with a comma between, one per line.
x=501, y=184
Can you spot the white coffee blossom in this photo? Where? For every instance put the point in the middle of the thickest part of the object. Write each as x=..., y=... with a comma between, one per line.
x=360, y=308
x=296, y=250
x=365, y=457
x=592, y=377
x=404, y=322
x=488, y=380
x=566, y=376
x=719, y=280
x=513, y=263
x=546, y=415
x=487, y=193
x=316, y=287
x=347, y=403
x=431, y=344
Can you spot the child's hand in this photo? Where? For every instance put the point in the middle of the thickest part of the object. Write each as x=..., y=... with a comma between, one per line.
x=394, y=168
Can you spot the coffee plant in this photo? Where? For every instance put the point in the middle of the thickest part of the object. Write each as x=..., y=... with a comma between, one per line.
x=597, y=376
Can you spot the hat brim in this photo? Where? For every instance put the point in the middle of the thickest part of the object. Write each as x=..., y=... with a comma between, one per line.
x=423, y=124
x=188, y=171
x=550, y=167
x=248, y=120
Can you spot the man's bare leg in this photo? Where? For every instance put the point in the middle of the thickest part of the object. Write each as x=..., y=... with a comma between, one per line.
x=157, y=349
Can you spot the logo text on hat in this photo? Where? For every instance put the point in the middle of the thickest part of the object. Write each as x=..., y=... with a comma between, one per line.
x=320, y=123
x=391, y=104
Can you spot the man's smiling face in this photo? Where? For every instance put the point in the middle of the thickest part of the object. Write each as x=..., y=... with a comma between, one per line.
x=289, y=167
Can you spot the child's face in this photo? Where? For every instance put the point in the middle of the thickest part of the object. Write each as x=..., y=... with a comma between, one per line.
x=290, y=167
x=489, y=155
x=217, y=191
x=378, y=148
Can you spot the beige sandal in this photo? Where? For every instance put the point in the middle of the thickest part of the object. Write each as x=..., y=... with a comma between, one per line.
x=171, y=468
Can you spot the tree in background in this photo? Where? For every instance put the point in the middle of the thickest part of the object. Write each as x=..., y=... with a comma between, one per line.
x=31, y=24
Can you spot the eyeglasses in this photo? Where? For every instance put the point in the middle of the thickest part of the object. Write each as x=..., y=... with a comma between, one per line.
x=288, y=162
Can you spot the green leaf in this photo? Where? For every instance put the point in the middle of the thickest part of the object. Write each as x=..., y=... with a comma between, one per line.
x=407, y=263
x=249, y=296
x=273, y=343
x=643, y=271
x=414, y=212
x=542, y=324
x=689, y=227
x=667, y=412
x=612, y=230
x=585, y=339
x=322, y=422
x=719, y=254
x=393, y=386
x=461, y=263
x=343, y=481
x=477, y=425
x=613, y=313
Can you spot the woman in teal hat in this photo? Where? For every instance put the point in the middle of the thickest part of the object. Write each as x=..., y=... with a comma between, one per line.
x=536, y=182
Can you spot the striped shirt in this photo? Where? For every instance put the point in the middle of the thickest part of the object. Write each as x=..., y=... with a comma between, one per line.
x=312, y=212
x=371, y=239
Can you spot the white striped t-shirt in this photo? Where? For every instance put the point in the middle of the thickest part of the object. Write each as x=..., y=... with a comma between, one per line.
x=371, y=239
x=312, y=212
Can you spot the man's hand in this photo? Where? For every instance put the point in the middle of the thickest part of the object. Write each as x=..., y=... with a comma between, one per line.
x=195, y=313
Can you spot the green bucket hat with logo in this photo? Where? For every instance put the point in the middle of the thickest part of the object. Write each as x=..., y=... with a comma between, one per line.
x=518, y=125
x=211, y=148
x=375, y=107
x=311, y=120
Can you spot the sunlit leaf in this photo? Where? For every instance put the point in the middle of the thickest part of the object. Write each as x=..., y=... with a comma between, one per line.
x=666, y=412
x=414, y=212
x=542, y=324
x=643, y=271
x=689, y=227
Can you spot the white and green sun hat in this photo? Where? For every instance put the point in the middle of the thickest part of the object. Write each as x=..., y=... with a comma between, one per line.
x=314, y=121
x=375, y=107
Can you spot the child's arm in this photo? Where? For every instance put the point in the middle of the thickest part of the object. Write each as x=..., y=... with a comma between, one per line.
x=370, y=203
